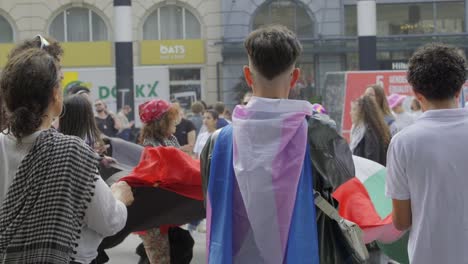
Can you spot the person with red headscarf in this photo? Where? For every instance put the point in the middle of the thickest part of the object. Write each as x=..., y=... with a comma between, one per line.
x=160, y=119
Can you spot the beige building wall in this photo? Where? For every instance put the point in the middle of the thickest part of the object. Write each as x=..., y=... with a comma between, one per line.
x=31, y=17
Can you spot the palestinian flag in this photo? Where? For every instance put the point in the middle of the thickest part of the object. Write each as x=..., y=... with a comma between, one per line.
x=362, y=200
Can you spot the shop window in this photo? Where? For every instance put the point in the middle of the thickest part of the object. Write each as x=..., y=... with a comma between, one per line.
x=6, y=30
x=185, y=85
x=450, y=17
x=287, y=13
x=350, y=17
x=171, y=22
x=78, y=24
x=405, y=19
x=412, y=18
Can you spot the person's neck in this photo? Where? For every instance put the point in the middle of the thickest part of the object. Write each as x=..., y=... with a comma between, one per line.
x=439, y=105
x=102, y=114
x=271, y=92
x=211, y=130
x=46, y=123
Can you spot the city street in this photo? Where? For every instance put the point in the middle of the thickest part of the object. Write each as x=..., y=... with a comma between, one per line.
x=125, y=252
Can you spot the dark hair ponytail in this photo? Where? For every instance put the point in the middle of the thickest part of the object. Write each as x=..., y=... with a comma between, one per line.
x=26, y=88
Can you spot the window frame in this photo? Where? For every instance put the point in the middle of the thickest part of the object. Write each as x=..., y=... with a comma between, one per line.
x=298, y=5
x=157, y=11
x=12, y=27
x=90, y=24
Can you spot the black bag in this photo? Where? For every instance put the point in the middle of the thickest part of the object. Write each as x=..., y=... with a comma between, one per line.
x=181, y=245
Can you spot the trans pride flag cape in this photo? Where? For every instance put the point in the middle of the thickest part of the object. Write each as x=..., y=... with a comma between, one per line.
x=260, y=206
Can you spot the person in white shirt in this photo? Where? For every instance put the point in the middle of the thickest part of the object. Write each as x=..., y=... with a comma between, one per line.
x=76, y=209
x=210, y=119
x=427, y=162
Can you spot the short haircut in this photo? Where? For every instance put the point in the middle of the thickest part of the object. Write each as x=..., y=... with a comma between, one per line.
x=272, y=50
x=219, y=107
x=53, y=49
x=437, y=71
x=213, y=114
x=197, y=107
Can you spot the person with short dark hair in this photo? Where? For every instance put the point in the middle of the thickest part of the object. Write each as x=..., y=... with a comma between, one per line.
x=426, y=164
x=258, y=170
x=210, y=119
x=222, y=122
x=186, y=133
x=55, y=206
x=106, y=121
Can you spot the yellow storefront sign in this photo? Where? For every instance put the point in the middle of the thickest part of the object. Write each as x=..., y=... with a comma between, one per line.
x=158, y=52
x=76, y=54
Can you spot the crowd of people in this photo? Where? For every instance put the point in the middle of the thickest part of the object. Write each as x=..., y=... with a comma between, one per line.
x=262, y=167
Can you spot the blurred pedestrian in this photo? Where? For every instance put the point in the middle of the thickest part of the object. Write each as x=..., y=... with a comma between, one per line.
x=377, y=92
x=185, y=132
x=427, y=165
x=106, y=121
x=416, y=109
x=47, y=179
x=402, y=118
x=370, y=135
x=222, y=122
x=210, y=119
x=126, y=126
x=197, y=115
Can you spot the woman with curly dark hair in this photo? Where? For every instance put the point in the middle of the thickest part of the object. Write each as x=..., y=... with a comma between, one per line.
x=370, y=135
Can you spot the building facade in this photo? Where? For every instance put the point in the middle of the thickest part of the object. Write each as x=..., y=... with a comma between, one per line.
x=179, y=34
x=328, y=32
x=201, y=41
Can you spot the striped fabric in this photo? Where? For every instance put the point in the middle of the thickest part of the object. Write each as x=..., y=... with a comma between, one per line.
x=260, y=203
x=42, y=215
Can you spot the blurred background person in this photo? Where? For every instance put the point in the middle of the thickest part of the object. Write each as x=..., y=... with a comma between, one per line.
x=197, y=115
x=210, y=120
x=370, y=136
x=402, y=118
x=377, y=92
x=222, y=122
x=186, y=132
x=126, y=126
x=416, y=108
x=107, y=123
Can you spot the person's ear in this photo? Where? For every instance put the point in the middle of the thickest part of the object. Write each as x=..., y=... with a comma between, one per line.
x=294, y=77
x=248, y=76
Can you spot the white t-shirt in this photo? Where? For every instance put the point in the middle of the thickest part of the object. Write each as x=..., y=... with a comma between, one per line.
x=403, y=120
x=427, y=163
x=201, y=142
x=105, y=216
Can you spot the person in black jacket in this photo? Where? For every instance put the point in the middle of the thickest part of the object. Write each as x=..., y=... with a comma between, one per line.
x=370, y=135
